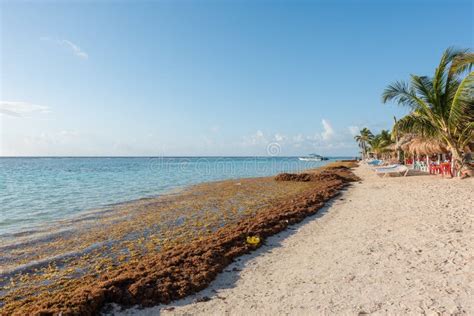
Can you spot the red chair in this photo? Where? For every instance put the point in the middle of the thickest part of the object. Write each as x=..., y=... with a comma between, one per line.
x=446, y=169
x=435, y=169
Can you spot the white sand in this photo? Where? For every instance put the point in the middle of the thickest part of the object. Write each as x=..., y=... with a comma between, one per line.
x=386, y=246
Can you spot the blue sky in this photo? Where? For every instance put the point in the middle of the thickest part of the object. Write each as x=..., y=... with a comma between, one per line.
x=211, y=77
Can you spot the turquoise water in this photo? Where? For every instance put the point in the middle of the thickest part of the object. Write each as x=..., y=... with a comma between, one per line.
x=34, y=191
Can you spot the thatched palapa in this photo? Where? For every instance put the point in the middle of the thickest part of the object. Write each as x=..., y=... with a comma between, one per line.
x=424, y=146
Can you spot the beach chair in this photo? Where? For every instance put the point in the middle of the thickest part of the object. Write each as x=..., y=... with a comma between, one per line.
x=375, y=162
x=385, y=166
x=399, y=169
x=420, y=165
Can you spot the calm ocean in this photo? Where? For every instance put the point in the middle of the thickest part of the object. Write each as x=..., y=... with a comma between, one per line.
x=34, y=191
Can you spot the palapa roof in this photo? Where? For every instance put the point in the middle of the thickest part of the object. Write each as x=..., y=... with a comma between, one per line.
x=404, y=141
x=424, y=146
x=413, y=144
x=392, y=147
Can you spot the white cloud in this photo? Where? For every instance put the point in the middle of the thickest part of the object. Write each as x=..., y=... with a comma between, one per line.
x=256, y=139
x=326, y=141
x=328, y=132
x=21, y=109
x=298, y=138
x=70, y=45
x=279, y=137
x=76, y=49
x=354, y=130
x=215, y=128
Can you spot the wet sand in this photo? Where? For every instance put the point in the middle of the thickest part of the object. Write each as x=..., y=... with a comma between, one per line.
x=156, y=250
x=398, y=245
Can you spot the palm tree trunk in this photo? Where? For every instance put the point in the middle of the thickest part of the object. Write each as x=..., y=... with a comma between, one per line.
x=458, y=161
x=457, y=157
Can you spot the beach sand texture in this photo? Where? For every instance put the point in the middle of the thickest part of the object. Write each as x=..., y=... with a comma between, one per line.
x=386, y=246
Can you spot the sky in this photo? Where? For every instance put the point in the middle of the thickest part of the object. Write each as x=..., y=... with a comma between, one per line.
x=193, y=78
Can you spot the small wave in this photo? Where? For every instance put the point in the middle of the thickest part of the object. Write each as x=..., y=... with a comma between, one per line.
x=33, y=237
x=57, y=259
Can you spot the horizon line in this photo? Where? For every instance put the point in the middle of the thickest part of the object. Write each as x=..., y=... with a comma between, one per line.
x=165, y=156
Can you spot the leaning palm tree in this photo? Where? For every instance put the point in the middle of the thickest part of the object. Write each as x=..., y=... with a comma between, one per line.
x=442, y=106
x=363, y=139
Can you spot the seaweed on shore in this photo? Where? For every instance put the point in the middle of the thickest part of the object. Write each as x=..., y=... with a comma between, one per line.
x=185, y=268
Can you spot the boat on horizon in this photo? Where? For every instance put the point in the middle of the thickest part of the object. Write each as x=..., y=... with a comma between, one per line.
x=313, y=157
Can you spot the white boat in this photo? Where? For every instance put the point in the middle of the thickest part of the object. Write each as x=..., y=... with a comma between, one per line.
x=312, y=157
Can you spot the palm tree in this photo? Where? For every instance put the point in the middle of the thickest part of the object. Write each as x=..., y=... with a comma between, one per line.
x=363, y=139
x=378, y=144
x=441, y=106
x=396, y=139
x=385, y=137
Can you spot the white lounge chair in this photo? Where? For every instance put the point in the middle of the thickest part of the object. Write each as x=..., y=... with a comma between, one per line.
x=400, y=169
x=385, y=167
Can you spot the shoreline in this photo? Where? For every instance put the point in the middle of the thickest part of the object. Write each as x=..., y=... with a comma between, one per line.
x=44, y=232
x=43, y=228
x=260, y=192
x=390, y=245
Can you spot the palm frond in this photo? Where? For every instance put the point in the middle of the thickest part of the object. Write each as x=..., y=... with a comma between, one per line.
x=423, y=86
x=415, y=123
x=462, y=63
x=401, y=93
x=462, y=105
x=468, y=134
x=443, y=76
x=440, y=77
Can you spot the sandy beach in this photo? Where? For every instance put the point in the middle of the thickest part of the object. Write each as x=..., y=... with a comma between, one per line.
x=398, y=245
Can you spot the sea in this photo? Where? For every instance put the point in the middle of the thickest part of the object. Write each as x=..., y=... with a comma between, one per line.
x=35, y=191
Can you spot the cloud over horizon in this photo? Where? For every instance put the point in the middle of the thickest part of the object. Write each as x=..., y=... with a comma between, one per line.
x=327, y=141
